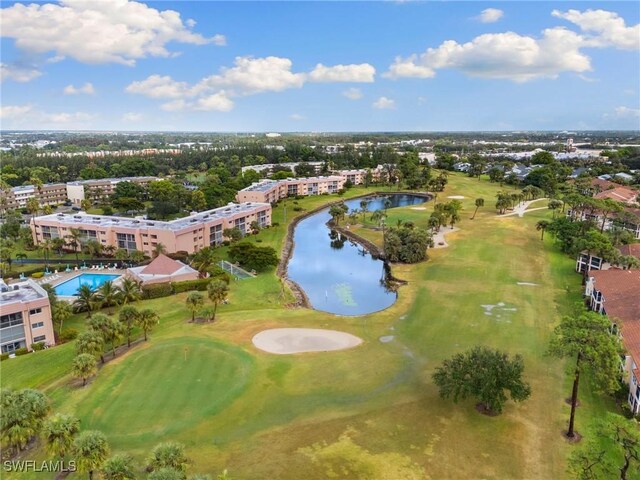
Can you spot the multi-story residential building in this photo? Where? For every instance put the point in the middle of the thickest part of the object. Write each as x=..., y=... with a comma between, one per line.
x=48, y=194
x=59, y=193
x=270, y=191
x=99, y=190
x=615, y=293
x=188, y=234
x=628, y=220
x=595, y=262
x=25, y=316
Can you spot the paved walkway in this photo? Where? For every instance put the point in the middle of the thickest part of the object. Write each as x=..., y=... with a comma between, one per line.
x=523, y=207
x=438, y=239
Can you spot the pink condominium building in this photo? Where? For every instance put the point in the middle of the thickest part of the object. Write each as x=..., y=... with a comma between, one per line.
x=270, y=191
x=188, y=234
x=25, y=316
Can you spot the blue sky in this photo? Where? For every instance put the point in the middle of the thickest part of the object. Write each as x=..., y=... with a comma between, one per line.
x=320, y=66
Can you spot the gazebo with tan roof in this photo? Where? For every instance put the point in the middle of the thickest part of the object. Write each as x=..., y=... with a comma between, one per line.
x=162, y=270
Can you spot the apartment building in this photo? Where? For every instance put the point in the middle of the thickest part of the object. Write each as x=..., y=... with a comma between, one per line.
x=48, y=194
x=188, y=234
x=25, y=316
x=615, y=293
x=270, y=191
x=99, y=190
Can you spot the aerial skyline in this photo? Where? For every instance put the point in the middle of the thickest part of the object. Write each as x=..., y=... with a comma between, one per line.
x=306, y=66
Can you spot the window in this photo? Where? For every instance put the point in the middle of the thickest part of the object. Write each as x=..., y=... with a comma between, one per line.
x=126, y=241
x=40, y=338
x=239, y=223
x=154, y=236
x=215, y=235
x=11, y=319
x=12, y=347
x=35, y=311
x=37, y=325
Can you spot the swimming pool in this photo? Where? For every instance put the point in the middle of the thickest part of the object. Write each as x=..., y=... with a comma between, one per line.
x=94, y=280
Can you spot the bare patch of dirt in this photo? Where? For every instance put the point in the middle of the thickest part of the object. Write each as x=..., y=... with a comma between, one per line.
x=482, y=408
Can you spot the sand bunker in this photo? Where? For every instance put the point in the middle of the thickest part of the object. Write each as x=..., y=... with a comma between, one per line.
x=418, y=208
x=283, y=341
x=456, y=197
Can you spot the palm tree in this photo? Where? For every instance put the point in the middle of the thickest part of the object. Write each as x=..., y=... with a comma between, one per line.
x=60, y=311
x=136, y=256
x=203, y=260
x=130, y=291
x=58, y=432
x=91, y=450
x=146, y=320
x=110, y=250
x=85, y=300
x=109, y=295
x=58, y=244
x=94, y=248
x=74, y=240
x=387, y=204
x=542, y=225
x=168, y=455
x=479, y=203
x=363, y=208
x=91, y=342
x=128, y=316
x=20, y=256
x=111, y=330
x=122, y=254
x=119, y=467
x=159, y=249
x=217, y=291
x=84, y=365
x=46, y=247
x=194, y=301
x=33, y=206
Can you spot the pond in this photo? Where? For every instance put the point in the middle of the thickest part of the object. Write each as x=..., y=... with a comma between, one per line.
x=338, y=275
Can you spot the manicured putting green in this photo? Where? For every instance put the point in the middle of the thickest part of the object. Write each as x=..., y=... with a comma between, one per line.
x=157, y=391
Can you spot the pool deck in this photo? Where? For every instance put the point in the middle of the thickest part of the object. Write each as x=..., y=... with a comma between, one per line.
x=56, y=279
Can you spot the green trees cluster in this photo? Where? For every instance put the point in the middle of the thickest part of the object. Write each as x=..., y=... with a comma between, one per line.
x=445, y=214
x=21, y=415
x=253, y=257
x=407, y=244
x=484, y=374
x=107, y=295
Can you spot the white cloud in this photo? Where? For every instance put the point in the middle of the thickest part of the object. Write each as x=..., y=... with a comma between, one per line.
x=352, y=94
x=501, y=55
x=106, y=31
x=362, y=73
x=18, y=73
x=608, y=29
x=86, y=89
x=296, y=116
x=219, y=40
x=27, y=115
x=218, y=102
x=384, y=103
x=132, y=117
x=422, y=100
x=490, y=15
x=248, y=76
x=157, y=86
x=624, y=112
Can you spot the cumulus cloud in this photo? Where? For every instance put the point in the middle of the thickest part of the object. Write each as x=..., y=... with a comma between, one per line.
x=605, y=29
x=362, y=73
x=490, y=15
x=18, y=73
x=384, y=103
x=219, y=40
x=501, y=55
x=19, y=115
x=521, y=58
x=296, y=116
x=352, y=94
x=132, y=117
x=248, y=76
x=106, y=31
x=86, y=89
x=624, y=112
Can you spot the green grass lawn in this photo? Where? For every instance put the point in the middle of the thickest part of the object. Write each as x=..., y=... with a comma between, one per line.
x=257, y=414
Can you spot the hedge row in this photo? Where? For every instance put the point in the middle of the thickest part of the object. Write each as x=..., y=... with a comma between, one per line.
x=165, y=289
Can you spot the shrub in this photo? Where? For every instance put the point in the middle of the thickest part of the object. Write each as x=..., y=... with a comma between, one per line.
x=37, y=275
x=226, y=243
x=297, y=209
x=299, y=197
x=3, y=357
x=21, y=351
x=68, y=334
x=179, y=255
x=156, y=291
x=258, y=240
x=275, y=224
x=188, y=285
x=37, y=346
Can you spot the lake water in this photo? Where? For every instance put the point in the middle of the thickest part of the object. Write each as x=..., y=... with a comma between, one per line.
x=338, y=275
